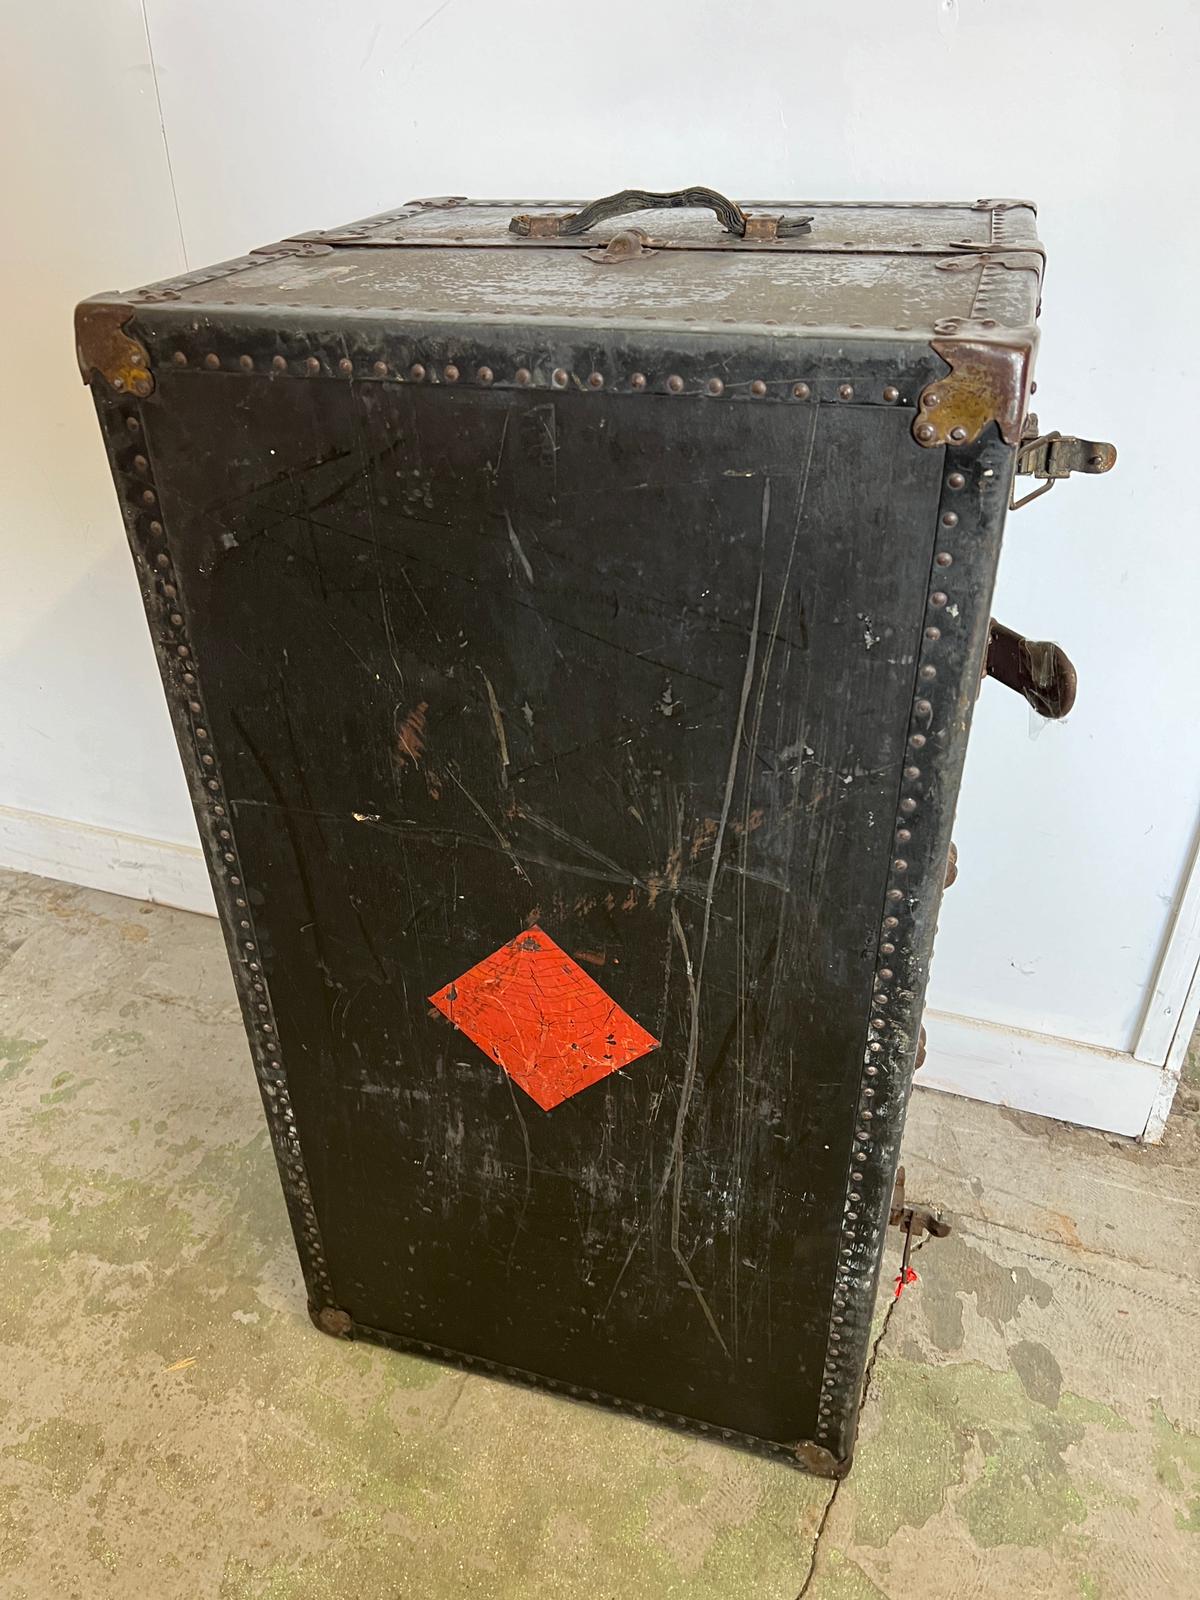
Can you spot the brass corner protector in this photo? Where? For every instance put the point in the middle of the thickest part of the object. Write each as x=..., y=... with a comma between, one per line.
x=987, y=382
x=332, y=1320
x=816, y=1459
x=103, y=346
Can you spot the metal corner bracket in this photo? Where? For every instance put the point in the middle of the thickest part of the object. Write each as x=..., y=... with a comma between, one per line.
x=988, y=382
x=103, y=346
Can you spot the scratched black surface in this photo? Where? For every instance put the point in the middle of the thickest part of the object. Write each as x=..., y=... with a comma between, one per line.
x=636, y=669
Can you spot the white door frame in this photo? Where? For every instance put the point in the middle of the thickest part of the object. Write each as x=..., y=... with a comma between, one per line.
x=1120, y=1091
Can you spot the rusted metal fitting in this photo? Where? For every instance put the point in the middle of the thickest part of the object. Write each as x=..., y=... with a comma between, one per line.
x=333, y=1320
x=951, y=877
x=1051, y=456
x=103, y=346
x=627, y=245
x=987, y=382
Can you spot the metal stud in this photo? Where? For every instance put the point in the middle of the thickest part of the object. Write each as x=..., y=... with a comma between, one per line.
x=925, y=432
x=715, y=386
x=912, y=773
x=675, y=383
x=800, y=391
x=845, y=391
x=938, y=597
x=928, y=672
x=346, y=367
x=450, y=373
x=380, y=369
x=891, y=393
x=918, y=739
x=955, y=481
x=595, y=380
x=133, y=425
x=246, y=363
x=179, y=359
x=933, y=633
x=312, y=366
x=212, y=361
x=279, y=363
x=523, y=376
x=908, y=806
x=758, y=388
x=950, y=519
x=958, y=435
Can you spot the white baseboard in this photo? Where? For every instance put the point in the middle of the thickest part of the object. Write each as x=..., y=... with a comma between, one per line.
x=1051, y=1077
x=104, y=858
x=1059, y=1078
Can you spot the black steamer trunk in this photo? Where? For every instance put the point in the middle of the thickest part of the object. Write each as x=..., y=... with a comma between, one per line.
x=599, y=605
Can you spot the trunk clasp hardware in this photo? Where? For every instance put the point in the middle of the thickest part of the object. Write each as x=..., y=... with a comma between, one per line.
x=1055, y=455
x=913, y=1221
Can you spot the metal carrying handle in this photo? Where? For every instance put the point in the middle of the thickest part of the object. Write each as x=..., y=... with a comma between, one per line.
x=731, y=216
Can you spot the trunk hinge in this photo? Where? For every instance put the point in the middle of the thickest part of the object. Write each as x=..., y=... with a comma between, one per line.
x=1053, y=456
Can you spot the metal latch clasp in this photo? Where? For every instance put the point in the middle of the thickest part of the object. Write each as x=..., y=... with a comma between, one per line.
x=914, y=1220
x=1053, y=456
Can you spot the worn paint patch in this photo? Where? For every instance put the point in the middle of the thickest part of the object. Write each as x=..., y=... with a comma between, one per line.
x=119, y=1041
x=1177, y=1467
x=410, y=735
x=969, y=1428
x=15, y=1055
x=63, y=1088
x=1040, y=1374
x=999, y=1291
x=539, y=1015
x=66, y=1451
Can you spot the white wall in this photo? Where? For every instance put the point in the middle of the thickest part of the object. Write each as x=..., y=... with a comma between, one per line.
x=279, y=115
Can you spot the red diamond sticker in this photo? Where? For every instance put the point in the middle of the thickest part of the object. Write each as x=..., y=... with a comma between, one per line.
x=536, y=1012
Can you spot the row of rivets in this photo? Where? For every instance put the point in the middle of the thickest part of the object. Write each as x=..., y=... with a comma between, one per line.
x=560, y=378
x=226, y=871
x=574, y=1391
x=856, y=1241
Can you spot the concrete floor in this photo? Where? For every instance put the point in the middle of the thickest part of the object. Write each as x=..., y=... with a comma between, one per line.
x=171, y=1425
